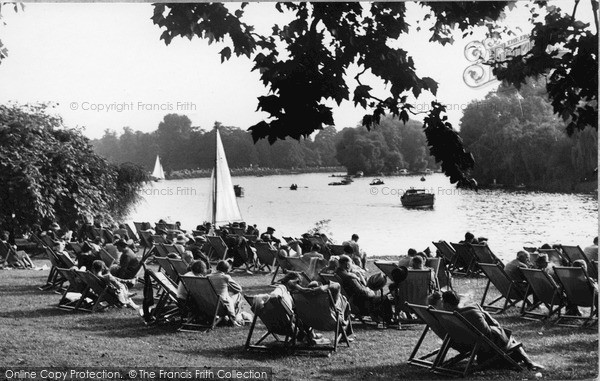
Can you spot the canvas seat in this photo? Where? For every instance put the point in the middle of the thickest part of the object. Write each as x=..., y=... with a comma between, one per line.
x=160, y=298
x=462, y=334
x=57, y=260
x=448, y=254
x=573, y=253
x=546, y=292
x=209, y=309
x=580, y=291
x=287, y=264
x=278, y=318
x=76, y=288
x=467, y=259
x=510, y=291
x=317, y=309
x=179, y=266
x=166, y=267
x=218, y=248
x=483, y=254
x=103, y=294
x=414, y=290
x=266, y=255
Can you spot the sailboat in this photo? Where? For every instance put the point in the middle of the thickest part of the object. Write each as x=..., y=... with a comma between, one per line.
x=158, y=173
x=222, y=204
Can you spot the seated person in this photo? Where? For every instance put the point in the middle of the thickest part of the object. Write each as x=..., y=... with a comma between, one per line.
x=14, y=258
x=268, y=236
x=122, y=232
x=87, y=257
x=512, y=267
x=368, y=301
x=313, y=253
x=356, y=262
x=128, y=265
x=228, y=290
x=357, y=252
x=332, y=265
x=487, y=325
x=419, y=264
x=581, y=263
x=469, y=238
x=101, y=271
x=197, y=268
x=407, y=260
x=592, y=251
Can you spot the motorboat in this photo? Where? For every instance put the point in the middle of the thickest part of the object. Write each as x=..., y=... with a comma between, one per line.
x=377, y=182
x=417, y=198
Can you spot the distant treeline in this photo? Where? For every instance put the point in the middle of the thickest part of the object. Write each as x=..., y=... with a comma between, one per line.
x=186, y=149
x=516, y=139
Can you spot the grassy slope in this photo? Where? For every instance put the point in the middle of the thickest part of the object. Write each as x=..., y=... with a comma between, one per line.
x=35, y=333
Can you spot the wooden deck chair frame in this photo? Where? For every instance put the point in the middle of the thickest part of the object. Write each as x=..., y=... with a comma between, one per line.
x=354, y=310
x=573, y=253
x=103, y=292
x=245, y=252
x=179, y=266
x=207, y=301
x=508, y=288
x=414, y=289
x=546, y=292
x=307, y=317
x=428, y=360
x=75, y=285
x=460, y=331
x=55, y=279
x=167, y=268
x=218, y=251
x=278, y=319
x=483, y=254
x=580, y=293
x=295, y=264
x=166, y=305
x=466, y=257
x=266, y=256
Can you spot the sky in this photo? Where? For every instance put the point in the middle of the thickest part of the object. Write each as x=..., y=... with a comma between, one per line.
x=106, y=68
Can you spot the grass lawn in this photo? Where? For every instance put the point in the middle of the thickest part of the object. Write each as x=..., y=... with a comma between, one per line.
x=35, y=333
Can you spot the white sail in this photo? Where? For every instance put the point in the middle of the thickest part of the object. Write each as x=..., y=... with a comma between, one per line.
x=222, y=204
x=158, y=172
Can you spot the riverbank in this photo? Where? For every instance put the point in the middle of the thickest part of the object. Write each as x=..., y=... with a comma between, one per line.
x=36, y=333
x=257, y=171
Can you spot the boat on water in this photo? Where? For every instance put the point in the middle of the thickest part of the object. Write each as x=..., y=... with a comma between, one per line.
x=414, y=198
x=222, y=205
x=346, y=181
x=359, y=174
x=403, y=172
x=238, y=190
x=294, y=187
x=158, y=174
x=377, y=182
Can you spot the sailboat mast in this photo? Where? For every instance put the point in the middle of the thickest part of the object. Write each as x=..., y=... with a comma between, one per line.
x=215, y=171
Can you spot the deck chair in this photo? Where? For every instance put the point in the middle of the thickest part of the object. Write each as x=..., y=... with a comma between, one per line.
x=76, y=288
x=465, y=259
x=55, y=279
x=555, y=257
x=108, y=236
x=442, y=277
x=447, y=253
x=237, y=231
x=247, y=256
x=573, y=253
x=286, y=264
x=167, y=268
x=431, y=324
x=356, y=314
x=386, y=267
x=76, y=247
x=218, y=248
x=209, y=310
x=106, y=257
x=510, y=291
x=414, y=290
x=336, y=249
x=483, y=254
x=102, y=293
x=579, y=289
x=279, y=320
x=266, y=255
x=318, y=310
x=166, y=305
x=546, y=291
x=179, y=266
x=131, y=233
x=462, y=333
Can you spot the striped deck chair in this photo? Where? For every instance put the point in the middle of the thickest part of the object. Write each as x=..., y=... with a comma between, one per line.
x=165, y=303
x=209, y=310
x=462, y=333
x=580, y=291
x=218, y=247
x=278, y=318
x=510, y=291
x=547, y=293
x=466, y=257
x=573, y=253
x=102, y=293
x=432, y=324
x=317, y=309
x=167, y=268
x=414, y=290
x=266, y=255
x=76, y=288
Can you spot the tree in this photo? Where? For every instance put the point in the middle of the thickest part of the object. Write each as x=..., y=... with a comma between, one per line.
x=50, y=173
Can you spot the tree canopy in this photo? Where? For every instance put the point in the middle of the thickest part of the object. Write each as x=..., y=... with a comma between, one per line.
x=304, y=63
x=50, y=173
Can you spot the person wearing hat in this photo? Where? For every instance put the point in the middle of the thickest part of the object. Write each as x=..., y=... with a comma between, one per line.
x=268, y=236
x=128, y=262
x=379, y=307
x=490, y=327
x=180, y=242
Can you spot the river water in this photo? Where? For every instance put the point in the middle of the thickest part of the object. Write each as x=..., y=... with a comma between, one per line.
x=510, y=220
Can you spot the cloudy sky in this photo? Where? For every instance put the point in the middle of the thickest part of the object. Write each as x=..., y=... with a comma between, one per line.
x=106, y=67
